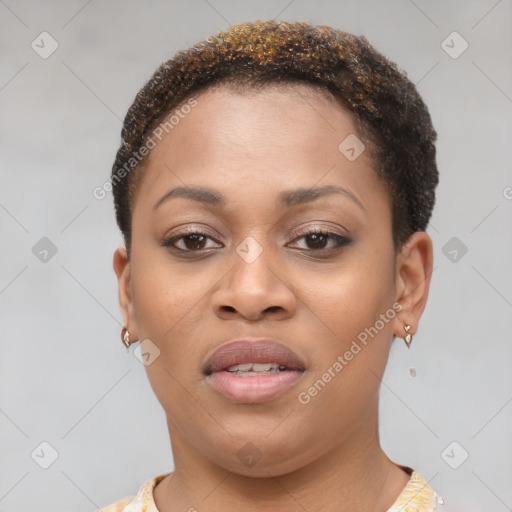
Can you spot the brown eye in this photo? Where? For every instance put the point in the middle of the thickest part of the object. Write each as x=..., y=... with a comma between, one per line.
x=318, y=240
x=195, y=241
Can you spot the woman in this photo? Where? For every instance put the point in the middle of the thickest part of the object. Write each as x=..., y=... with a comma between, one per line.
x=273, y=187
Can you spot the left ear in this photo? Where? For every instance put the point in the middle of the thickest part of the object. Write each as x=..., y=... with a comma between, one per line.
x=413, y=273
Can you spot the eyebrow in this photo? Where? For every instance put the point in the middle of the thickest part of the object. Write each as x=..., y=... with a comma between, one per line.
x=289, y=198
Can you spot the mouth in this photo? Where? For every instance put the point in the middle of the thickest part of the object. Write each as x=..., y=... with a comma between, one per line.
x=253, y=370
x=253, y=356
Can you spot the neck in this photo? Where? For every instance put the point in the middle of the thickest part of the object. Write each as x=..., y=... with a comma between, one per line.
x=355, y=475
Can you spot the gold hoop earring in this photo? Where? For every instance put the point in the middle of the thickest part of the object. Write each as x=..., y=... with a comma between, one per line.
x=125, y=337
x=408, y=337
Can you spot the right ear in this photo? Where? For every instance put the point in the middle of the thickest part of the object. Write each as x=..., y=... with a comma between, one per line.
x=122, y=270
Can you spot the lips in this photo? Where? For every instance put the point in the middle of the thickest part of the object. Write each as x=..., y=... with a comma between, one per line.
x=253, y=371
x=260, y=351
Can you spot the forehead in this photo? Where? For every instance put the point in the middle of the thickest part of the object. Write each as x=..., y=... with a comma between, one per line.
x=274, y=115
x=264, y=140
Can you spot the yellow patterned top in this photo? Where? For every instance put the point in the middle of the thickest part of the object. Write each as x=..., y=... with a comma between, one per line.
x=417, y=496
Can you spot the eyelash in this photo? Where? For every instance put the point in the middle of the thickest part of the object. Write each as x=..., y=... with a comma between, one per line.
x=340, y=240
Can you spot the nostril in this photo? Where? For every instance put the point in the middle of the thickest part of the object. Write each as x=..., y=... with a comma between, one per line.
x=273, y=309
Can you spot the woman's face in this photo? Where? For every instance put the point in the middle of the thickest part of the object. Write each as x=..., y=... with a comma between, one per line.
x=256, y=269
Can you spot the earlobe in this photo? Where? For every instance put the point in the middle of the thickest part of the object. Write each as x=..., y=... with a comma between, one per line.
x=414, y=271
x=122, y=269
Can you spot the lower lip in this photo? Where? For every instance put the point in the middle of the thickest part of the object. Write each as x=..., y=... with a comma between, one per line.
x=253, y=389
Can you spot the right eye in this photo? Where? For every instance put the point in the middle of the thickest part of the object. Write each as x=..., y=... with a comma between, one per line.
x=192, y=241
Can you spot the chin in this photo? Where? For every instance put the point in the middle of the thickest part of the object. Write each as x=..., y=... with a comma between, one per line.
x=262, y=457
x=264, y=467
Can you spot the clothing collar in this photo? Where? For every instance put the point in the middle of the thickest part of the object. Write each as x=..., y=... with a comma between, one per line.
x=417, y=496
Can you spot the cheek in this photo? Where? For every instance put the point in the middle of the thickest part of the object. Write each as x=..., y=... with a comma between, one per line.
x=353, y=297
x=353, y=309
x=169, y=310
x=167, y=307
x=162, y=293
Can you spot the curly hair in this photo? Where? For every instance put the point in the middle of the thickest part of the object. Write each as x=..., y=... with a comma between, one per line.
x=389, y=114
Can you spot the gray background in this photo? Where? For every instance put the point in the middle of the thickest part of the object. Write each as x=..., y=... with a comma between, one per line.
x=66, y=378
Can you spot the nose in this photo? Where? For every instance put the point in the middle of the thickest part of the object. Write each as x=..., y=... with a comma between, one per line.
x=253, y=291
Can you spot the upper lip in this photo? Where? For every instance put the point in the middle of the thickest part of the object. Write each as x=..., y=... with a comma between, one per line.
x=253, y=350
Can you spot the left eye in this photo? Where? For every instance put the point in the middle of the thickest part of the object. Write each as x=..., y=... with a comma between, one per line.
x=319, y=240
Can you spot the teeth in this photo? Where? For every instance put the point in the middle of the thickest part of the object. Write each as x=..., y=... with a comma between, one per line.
x=263, y=367
x=238, y=369
x=242, y=367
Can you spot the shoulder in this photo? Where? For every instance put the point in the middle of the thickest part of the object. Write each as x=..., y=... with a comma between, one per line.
x=118, y=506
x=142, y=501
x=416, y=496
